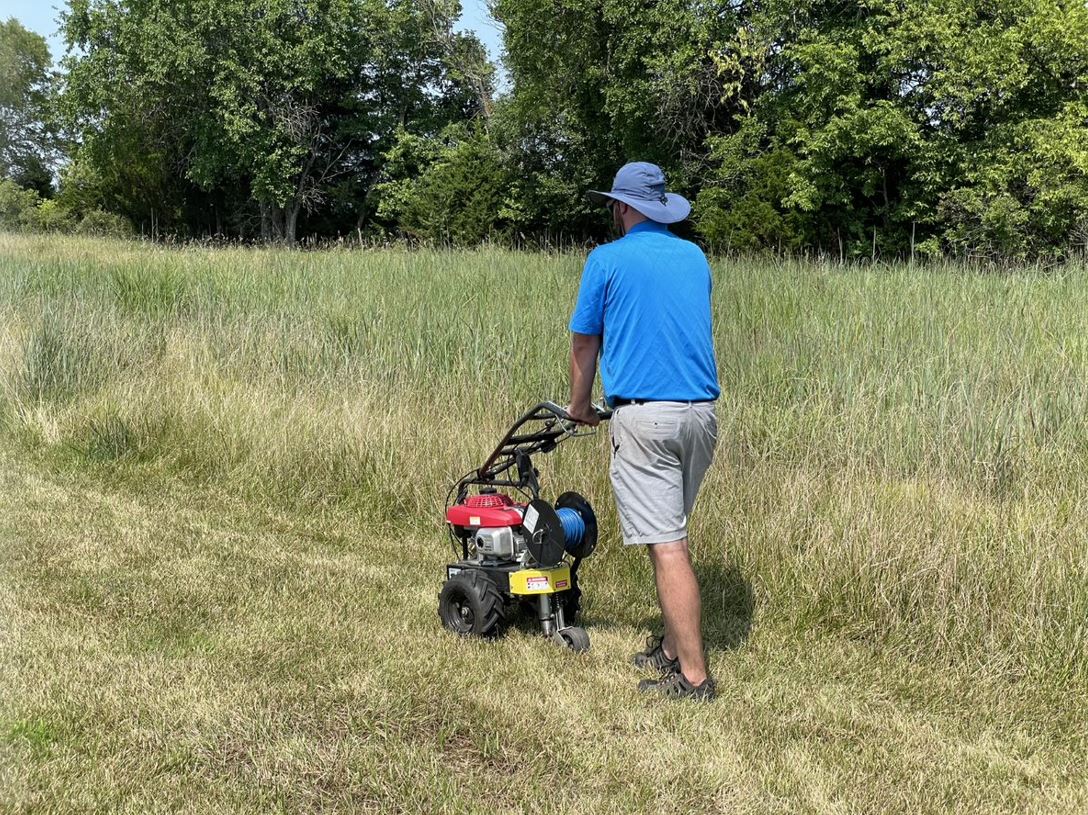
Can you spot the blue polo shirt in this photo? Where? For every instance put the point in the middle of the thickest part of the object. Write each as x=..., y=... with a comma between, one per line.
x=648, y=296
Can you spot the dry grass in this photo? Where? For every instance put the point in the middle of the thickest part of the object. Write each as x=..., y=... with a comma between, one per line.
x=220, y=501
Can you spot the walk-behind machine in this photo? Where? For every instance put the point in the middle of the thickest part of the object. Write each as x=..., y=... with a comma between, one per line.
x=518, y=553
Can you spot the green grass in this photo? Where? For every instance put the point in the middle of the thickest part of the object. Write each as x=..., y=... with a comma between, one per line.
x=222, y=476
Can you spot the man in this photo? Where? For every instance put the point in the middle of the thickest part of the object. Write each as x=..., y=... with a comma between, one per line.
x=644, y=306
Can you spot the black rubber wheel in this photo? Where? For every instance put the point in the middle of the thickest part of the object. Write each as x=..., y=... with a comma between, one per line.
x=574, y=638
x=470, y=604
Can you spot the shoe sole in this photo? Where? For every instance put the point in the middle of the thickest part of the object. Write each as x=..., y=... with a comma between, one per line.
x=648, y=687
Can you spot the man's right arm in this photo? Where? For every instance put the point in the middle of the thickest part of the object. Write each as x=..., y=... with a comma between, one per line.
x=583, y=368
x=587, y=328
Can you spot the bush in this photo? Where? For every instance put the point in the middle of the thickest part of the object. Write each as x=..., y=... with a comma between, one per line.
x=104, y=224
x=25, y=209
x=16, y=204
x=48, y=216
x=741, y=207
x=449, y=190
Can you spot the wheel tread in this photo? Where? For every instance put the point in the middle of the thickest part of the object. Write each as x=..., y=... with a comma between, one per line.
x=482, y=592
x=491, y=602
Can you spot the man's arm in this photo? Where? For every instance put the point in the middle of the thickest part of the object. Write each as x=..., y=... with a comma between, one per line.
x=583, y=368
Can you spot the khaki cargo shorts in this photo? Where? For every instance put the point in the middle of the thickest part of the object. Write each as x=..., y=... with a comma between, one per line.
x=660, y=453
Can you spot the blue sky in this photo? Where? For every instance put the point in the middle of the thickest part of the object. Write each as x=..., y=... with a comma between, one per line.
x=475, y=18
x=37, y=15
x=41, y=15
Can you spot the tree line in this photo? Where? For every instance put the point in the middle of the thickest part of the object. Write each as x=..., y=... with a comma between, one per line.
x=881, y=128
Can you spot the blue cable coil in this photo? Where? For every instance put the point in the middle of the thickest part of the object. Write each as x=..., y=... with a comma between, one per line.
x=574, y=527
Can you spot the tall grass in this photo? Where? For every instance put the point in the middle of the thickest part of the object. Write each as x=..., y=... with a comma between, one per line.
x=902, y=454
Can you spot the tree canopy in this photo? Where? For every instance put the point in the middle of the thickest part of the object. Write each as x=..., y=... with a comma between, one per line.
x=879, y=128
x=262, y=110
x=26, y=138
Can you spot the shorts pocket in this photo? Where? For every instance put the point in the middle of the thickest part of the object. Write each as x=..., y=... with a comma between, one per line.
x=656, y=428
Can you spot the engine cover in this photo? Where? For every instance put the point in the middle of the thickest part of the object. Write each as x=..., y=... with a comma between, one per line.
x=499, y=543
x=489, y=510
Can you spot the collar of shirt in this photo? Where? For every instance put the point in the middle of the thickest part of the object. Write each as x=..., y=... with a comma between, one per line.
x=647, y=226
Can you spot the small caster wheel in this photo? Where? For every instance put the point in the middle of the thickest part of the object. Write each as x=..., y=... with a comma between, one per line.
x=573, y=637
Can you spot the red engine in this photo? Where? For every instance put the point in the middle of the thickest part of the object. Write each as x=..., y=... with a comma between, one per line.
x=488, y=510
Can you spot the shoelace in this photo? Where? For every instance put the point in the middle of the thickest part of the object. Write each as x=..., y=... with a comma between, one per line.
x=661, y=659
x=675, y=684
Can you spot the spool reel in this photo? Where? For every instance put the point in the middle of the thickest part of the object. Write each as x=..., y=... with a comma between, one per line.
x=568, y=528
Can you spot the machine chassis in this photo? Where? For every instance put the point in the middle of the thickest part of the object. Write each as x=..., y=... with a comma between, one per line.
x=469, y=602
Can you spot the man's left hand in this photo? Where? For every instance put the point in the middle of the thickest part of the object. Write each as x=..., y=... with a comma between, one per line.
x=584, y=414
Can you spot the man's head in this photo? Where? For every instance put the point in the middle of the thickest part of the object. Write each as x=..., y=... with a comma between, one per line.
x=638, y=194
x=624, y=216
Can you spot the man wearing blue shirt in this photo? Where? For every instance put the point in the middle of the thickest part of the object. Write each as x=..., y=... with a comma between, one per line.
x=644, y=308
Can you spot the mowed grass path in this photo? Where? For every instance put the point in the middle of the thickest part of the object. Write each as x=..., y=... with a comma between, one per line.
x=221, y=487
x=162, y=652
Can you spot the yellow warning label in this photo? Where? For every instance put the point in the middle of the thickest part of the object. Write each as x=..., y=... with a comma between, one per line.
x=539, y=581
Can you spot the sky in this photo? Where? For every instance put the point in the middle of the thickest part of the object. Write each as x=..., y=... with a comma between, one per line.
x=41, y=15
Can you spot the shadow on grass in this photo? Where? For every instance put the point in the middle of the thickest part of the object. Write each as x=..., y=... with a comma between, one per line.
x=728, y=608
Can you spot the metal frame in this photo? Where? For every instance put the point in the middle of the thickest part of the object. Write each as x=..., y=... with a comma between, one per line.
x=517, y=448
x=553, y=426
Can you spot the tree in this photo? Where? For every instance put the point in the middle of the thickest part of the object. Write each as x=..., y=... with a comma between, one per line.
x=451, y=189
x=26, y=140
x=600, y=82
x=287, y=104
x=955, y=126
x=876, y=127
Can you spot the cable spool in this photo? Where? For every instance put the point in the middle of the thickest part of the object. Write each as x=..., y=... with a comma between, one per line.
x=574, y=527
x=545, y=534
x=570, y=527
x=579, y=524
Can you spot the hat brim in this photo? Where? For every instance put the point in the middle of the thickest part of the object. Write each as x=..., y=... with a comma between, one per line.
x=675, y=209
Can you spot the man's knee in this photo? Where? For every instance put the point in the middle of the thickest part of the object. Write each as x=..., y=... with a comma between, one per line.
x=669, y=553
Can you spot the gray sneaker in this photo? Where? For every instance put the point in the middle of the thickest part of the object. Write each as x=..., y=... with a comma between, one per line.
x=676, y=686
x=654, y=657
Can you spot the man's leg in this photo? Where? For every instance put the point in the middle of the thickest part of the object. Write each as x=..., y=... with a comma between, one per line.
x=678, y=594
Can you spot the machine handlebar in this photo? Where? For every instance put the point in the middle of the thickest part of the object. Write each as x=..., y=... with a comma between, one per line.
x=554, y=425
x=603, y=413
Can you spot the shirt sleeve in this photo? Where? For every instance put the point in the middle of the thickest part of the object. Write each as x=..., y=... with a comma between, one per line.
x=588, y=317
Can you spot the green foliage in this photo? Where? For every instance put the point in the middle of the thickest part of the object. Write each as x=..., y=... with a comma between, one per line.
x=881, y=128
x=445, y=190
x=741, y=209
x=104, y=224
x=597, y=83
x=877, y=126
x=280, y=106
x=26, y=141
x=24, y=209
x=49, y=216
x=15, y=204
x=958, y=125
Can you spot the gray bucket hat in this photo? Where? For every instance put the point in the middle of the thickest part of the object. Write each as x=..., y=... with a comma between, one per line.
x=642, y=185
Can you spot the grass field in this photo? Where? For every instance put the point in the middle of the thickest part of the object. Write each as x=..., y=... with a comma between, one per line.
x=222, y=476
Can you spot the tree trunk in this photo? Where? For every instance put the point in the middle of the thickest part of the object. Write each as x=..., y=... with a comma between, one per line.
x=290, y=222
x=266, y=222
x=278, y=224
